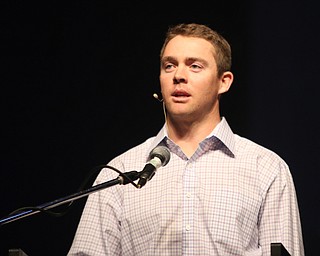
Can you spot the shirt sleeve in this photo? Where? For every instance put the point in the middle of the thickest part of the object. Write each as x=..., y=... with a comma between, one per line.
x=279, y=220
x=98, y=232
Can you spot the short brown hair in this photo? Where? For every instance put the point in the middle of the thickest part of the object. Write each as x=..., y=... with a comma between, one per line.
x=221, y=46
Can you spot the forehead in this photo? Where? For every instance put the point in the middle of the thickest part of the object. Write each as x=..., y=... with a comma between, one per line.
x=182, y=46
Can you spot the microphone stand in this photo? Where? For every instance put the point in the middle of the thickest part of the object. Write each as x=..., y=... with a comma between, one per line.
x=122, y=179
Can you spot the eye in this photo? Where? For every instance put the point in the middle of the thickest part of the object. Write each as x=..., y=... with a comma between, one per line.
x=168, y=67
x=196, y=67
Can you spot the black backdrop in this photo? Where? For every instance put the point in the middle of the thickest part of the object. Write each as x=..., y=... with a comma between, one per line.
x=77, y=80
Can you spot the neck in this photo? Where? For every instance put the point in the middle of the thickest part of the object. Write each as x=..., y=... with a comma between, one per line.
x=188, y=134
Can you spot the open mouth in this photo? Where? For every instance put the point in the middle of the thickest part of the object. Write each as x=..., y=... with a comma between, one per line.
x=180, y=94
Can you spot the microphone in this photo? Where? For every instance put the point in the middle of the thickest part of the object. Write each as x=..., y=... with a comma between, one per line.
x=157, y=97
x=163, y=104
x=159, y=156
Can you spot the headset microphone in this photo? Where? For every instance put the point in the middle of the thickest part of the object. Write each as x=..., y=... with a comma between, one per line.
x=157, y=97
x=163, y=104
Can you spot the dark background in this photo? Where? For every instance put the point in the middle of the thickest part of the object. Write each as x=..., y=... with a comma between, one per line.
x=77, y=80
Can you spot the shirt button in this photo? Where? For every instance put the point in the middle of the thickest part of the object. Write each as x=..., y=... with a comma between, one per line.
x=188, y=227
x=188, y=195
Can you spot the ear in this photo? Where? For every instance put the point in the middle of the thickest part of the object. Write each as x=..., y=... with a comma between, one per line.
x=225, y=82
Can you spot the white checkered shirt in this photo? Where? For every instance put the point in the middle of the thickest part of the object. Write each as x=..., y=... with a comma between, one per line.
x=232, y=197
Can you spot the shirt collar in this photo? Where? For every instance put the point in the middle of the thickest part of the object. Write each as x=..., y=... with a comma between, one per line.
x=222, y=132
x=160, y=138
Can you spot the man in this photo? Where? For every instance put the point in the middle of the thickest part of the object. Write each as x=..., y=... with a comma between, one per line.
x=220, y=194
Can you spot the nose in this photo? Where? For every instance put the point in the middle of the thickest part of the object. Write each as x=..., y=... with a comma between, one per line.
x=180, y=76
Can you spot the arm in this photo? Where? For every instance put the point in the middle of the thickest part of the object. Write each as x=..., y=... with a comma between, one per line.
x=98, y=231
x=279, y=220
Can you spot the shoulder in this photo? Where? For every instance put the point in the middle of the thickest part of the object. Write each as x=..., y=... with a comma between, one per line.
x=134, y=156
x=264, y=160
x=132, y=159
x=248, y=148
x=268, y=165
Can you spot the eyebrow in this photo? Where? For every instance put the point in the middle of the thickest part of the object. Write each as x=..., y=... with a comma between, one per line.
x=167, y=59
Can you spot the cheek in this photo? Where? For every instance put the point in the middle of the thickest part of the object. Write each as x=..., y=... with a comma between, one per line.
x=213, y=86
x=204, y=86
x=165, y=83
x=209, y=92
